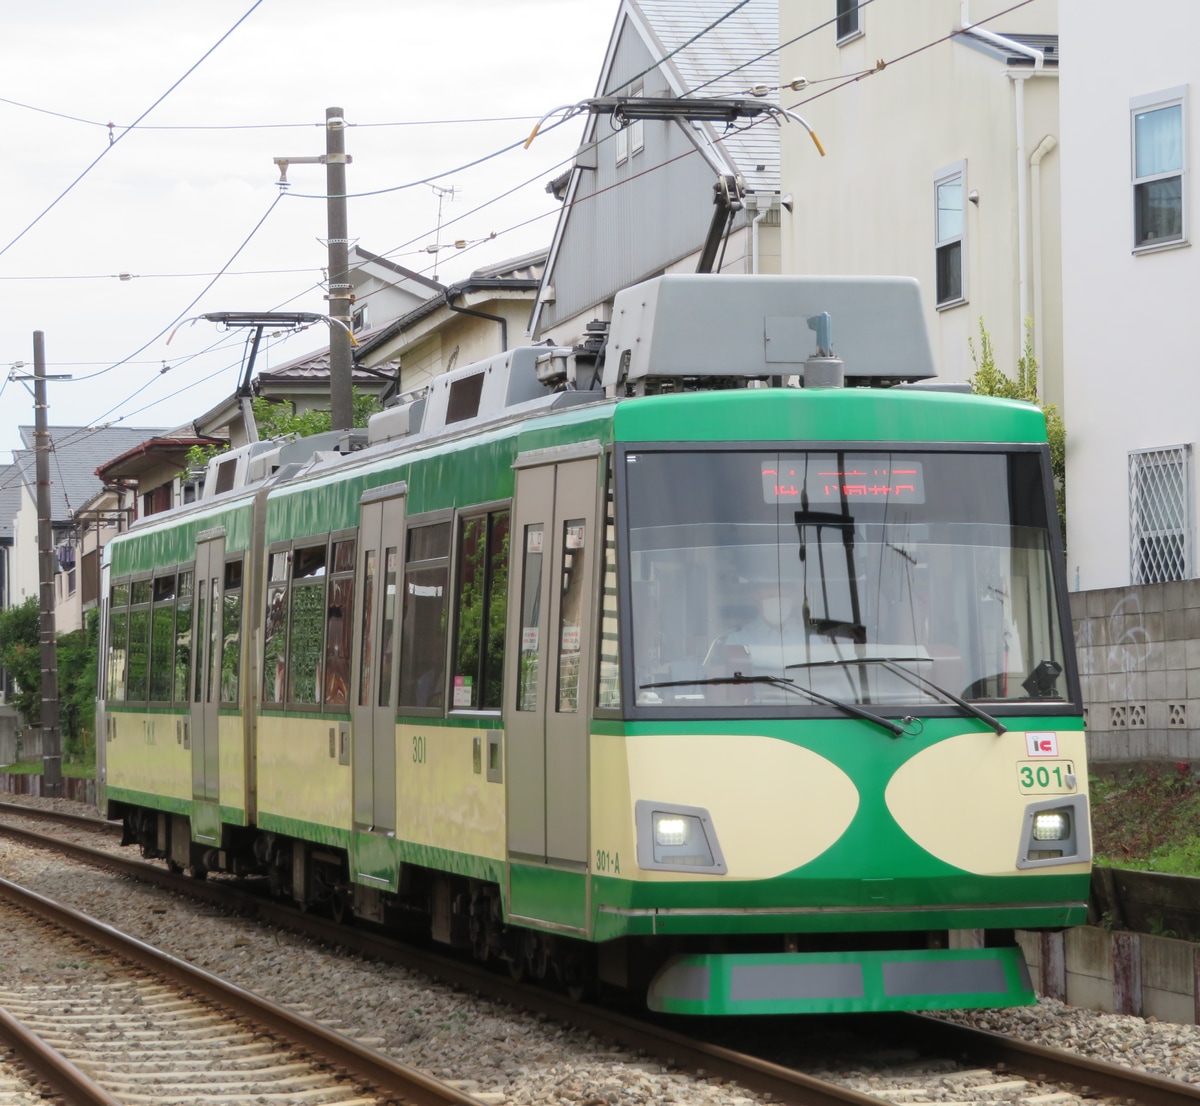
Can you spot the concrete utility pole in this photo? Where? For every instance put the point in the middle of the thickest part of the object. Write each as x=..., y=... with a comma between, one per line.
x=51, y=739
x=341, y=407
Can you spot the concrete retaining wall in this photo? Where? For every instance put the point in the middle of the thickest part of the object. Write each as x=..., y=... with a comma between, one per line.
x=1117, y=971
x=1139, y=661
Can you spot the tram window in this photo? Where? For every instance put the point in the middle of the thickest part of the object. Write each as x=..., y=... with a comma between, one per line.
x=214, y=641
x=531, y=611
x=608, y=682
x=570, y=614
x=338, y=616
x=423, y=616
x=183, y=637
x=275, y=630
x=137, y=686
x=118, y=629
x=482, y=600
x=306, y=625
x=367, y=654
x=201, y=614
x=343, y=556
x=162, y=638
x=231, y=653
x=387, y=632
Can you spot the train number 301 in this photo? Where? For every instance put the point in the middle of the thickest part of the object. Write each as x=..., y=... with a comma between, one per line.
x=609, y=863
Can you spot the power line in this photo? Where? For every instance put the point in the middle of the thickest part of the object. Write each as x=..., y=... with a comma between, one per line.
x=584, y=199
x=113, y=140
x=183, y=314
x=267, y=126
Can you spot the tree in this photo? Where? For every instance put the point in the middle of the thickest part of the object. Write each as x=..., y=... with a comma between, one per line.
x=78, y=656
x=78, y=659
x=988, y=380
x=21, y=656
x=279, y=420
x=275, y=420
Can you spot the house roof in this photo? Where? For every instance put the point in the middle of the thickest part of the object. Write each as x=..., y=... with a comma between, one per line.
x=76, y=453
x=727, y=60
x=312, y=370
x=150, y=454
x=10, y=498
x=361, y=258
x=518, y=274
x=1047, y=44
x=728, y=57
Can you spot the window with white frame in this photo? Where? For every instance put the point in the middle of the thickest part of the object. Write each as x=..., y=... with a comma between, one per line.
x=630, y=138
x=1160, y=539
x=1158, y=130
x=849, y=20
x=949, y=188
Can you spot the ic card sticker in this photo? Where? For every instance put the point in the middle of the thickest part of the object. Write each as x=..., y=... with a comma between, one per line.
x=1041, y=744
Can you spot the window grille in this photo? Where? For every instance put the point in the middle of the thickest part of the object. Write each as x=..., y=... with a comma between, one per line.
x=1160, y=515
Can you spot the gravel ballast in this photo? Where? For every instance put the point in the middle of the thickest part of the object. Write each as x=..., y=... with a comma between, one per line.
x=498, y=1054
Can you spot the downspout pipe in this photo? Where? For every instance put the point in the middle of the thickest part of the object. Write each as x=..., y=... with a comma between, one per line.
x=1018, y=80
x=449, y=296
x=1047, y=145
x=760, y=214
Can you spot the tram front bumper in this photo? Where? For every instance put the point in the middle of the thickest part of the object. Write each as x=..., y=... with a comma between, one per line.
x=841, y=982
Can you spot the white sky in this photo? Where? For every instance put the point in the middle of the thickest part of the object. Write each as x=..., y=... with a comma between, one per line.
x=171, y=206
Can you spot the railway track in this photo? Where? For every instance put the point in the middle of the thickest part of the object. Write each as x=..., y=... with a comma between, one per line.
x=912, y=1058
x=105, y=1019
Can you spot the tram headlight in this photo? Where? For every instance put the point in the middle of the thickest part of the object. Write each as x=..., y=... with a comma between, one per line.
x=1051, y=825
x=670, y=829
x=1055, y=832
x=677, y=839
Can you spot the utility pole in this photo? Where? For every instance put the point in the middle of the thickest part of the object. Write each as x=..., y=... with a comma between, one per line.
x=340, y=361
x=51, y=739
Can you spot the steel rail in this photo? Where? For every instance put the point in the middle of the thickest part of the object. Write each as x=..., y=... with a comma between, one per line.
x=917, y=1030
x=51, y=1066
x=42, y=814
x=1038, y=1061
x=372, y=1067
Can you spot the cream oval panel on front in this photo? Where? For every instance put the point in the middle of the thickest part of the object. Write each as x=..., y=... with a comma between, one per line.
x=960, y=799
x=774, y=805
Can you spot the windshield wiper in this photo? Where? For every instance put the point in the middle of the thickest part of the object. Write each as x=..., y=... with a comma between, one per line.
x=790, y=685
x=917, y=681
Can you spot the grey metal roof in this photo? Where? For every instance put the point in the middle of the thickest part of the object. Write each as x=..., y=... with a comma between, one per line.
x=313, y=368
x=77, y=451
x=10, y=498
x=728, y=60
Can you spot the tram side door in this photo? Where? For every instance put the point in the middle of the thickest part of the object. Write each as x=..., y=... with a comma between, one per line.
x=381, y=532
x=206, y=673
x=552, y=641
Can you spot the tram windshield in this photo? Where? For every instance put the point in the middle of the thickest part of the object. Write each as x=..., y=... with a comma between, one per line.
x=884, y=579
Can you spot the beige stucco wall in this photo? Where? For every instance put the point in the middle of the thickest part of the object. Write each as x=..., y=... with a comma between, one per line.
x=868, y=205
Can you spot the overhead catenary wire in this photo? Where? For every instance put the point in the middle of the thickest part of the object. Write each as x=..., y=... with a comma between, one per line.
x=114, y=139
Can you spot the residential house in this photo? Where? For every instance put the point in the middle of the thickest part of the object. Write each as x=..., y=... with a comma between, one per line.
x=1132, y=389
x=639, y=199
x=485, y=314
x=76, y=452
x=941, y=163
x=384, y=290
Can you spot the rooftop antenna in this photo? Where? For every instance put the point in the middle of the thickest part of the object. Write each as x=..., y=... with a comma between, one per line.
x=442, y=195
